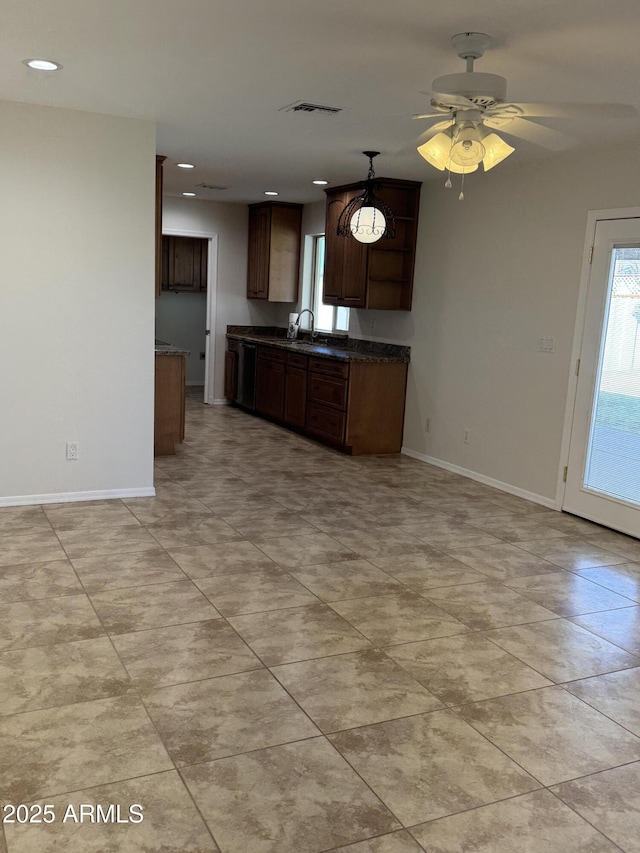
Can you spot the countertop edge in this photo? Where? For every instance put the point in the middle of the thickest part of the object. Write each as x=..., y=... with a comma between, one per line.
x=324, y=351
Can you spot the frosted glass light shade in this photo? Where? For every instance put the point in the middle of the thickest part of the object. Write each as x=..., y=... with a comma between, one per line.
x=367, y=224
x=496, y=150
x=436, y=152
x=467, y=149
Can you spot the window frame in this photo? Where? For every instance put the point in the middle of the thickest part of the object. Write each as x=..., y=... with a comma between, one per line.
x=316, y=292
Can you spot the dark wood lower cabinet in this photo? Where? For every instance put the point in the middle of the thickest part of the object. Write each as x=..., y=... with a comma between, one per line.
x=270, y=372
x=355, y=406
x=295, y=395
x=326, y=422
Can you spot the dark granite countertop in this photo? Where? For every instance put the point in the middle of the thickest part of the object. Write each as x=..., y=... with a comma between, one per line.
x=163, y=348
x=327, y=346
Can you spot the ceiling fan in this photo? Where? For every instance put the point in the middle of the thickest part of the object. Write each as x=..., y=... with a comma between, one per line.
x=474, y=104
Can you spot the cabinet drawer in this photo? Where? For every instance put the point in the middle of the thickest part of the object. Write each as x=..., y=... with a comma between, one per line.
x=330, y=367
x=326, y=422
x=272, y=354
x=296, y=359
x=232, y=345
x=328, y=390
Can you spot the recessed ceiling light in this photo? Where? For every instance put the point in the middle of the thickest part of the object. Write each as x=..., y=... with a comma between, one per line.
x=185, y=165
x=321, y=183
x=191, y=195
x=271, y=192
x=43, y=64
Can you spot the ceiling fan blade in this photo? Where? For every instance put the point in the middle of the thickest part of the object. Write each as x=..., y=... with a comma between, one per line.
x=566, y=110
x=526, y=110
x=431, y=131
x=532, y=132
x=427, y=115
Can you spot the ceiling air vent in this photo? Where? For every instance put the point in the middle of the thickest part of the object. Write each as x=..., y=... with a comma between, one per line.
x=304, y=107
x=211, y=187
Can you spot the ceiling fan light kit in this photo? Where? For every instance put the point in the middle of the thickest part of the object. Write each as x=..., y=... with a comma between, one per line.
x=437, y=152
x=367, y=218
x=468, y=99
x=442, y=151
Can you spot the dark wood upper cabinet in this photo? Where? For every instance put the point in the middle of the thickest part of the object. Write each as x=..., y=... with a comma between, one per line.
x=184, y=264
x=274, y=251
x=376, y=275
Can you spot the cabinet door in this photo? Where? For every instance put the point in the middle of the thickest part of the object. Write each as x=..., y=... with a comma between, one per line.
x=184, y=264
x=284, y=253
x=334, y=252
x=295, y=399
x=345, y=267
x=270, y=380
x=276, y=391
x=230, y=375
x=258, y=262
x=184, y=271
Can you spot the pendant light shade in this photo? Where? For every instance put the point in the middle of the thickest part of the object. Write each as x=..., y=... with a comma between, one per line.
x=367, y=218
x=368, y=224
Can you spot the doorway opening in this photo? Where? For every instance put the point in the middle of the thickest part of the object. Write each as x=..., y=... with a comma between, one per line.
x=187, y=318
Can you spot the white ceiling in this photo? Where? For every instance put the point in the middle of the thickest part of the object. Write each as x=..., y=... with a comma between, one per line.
x=214, y=76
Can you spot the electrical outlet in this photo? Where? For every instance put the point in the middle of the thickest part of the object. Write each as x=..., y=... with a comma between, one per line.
x=373, y=325
x=72, y=450
x=427, y=425
x=467, y=436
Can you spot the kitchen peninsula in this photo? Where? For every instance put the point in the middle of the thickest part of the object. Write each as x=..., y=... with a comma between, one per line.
x=169, y=407
x=344, y=392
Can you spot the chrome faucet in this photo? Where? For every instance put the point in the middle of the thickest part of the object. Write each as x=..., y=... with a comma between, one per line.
x=314, y=334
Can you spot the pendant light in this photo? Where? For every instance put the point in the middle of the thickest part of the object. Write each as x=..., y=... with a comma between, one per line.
x=367, y=218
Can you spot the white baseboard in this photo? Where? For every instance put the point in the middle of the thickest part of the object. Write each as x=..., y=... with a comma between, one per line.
x=70, y=497
x=221, y=402
x=191, y=383
x=481, y=478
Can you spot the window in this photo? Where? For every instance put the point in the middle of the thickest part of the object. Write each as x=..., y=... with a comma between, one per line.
x=329, y=318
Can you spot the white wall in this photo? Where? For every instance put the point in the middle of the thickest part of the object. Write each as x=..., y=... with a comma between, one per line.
x=181, y=321
x=495, y=273
x=76, y=302
x=230, y=222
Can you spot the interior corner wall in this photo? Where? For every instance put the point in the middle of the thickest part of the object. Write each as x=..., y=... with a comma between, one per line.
x=494, y=274
x=230, y=221
x=76, y=302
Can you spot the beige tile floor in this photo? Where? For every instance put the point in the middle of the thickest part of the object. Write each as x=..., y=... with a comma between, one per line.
x=293, y=651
